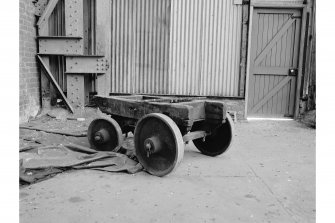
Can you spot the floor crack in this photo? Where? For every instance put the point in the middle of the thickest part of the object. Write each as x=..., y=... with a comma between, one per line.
x=287, y=210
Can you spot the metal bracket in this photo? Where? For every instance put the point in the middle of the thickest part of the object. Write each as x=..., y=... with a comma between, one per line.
x=54, y=82
x=86, y=64
x=40, y=6
x=46, y=13
x=60, y=45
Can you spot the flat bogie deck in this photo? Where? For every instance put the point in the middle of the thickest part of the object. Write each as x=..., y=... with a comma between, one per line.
x=161, y=125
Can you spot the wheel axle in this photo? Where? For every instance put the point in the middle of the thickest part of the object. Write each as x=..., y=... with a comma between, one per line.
x=101, y=136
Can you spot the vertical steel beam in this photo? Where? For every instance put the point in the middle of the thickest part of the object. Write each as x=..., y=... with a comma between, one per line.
x=76, y=91
x=74, y=21
x=251, y=16
x=103, y=43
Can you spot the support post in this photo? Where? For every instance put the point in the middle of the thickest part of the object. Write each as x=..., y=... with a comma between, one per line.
x=74, y=22
x=103, y=43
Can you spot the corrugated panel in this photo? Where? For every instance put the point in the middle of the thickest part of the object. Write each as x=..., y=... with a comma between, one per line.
x=197, y=53
x=140, y=46
x=205, y=47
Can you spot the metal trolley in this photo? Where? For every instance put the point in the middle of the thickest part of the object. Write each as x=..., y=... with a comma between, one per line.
x=161, y=126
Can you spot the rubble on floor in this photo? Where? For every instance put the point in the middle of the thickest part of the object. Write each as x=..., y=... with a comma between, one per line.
x=309, y=118
x=57, y=142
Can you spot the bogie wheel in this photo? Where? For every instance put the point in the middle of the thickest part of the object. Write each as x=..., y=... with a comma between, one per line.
x=104, y=134
x=159, y=145
x=219, y=141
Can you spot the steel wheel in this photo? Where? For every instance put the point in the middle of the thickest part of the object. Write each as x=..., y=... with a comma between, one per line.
x=219, y=141
x=104, y=134
x=159, y=145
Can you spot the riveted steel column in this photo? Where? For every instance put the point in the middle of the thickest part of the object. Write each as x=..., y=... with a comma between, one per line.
x=74, y=27
x=103, y=43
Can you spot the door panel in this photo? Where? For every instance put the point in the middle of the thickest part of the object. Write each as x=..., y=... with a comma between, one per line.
x=274, y=51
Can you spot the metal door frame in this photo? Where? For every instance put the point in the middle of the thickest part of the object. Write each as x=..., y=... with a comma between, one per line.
x=255, y=4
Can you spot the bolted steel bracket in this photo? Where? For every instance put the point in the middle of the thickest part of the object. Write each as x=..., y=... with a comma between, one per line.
x=40, y=6
x=86, y=64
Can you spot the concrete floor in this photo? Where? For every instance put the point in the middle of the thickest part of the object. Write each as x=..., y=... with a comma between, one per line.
x=268, y=175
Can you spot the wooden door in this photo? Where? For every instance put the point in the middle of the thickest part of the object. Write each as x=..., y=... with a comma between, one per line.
x=274, y=56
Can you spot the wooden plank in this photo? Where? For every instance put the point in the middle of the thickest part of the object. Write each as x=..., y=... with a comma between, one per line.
x=277, y=4
x=300, y=63
x=265, y=90
x=261, y=88
x=271, y=43
x=289, y=47
x=271, y=93
x=278, y=48
x=257, y=89
x=280, y=98
x=283, y=45
x=285, y=99
x=265, y=40
x=137, y=109
x=257, y=43
x=215, y=109
x=53, y=81
x=296, y=45
x=270, y=35
x=249, y=67
x=292, y=86
x=275, y=96
x=271, y=86
x=274, y=49
x=265, y=107
x=271, y=70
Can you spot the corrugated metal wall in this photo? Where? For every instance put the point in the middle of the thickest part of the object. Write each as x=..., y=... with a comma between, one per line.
x=184, y=47
x=205, y=47
x=140, y=46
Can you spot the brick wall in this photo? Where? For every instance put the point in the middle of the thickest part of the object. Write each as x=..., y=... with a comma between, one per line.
x=29, y=73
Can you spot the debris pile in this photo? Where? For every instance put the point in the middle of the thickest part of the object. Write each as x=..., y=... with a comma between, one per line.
x=50, y=145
